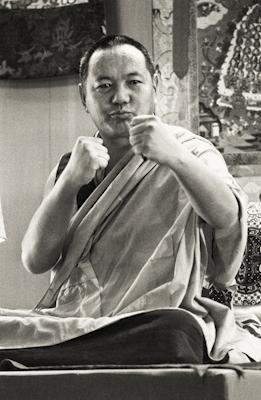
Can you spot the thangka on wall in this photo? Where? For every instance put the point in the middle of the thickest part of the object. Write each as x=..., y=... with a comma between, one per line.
x=44, y=38
x=229, y=56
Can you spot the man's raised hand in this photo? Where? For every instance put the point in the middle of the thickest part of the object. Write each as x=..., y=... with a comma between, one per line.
x=154, y=139
x=88, y=155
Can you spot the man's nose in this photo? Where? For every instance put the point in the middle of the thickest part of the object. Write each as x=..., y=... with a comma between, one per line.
x=121, y=95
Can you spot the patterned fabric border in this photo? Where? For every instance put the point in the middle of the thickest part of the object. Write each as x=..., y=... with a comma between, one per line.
x=39, y=43
x=38, y=4
x=249, y=275
x=247, y=291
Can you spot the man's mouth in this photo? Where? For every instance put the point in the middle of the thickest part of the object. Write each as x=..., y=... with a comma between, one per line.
x=122, y=115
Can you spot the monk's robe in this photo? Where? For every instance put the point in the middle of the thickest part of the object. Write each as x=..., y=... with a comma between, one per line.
x=137, y=245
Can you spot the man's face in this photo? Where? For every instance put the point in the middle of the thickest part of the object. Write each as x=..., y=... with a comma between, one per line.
x=119, y=87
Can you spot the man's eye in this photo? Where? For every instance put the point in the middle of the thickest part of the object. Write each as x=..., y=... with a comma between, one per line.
x=104, y=86
x=134, y=82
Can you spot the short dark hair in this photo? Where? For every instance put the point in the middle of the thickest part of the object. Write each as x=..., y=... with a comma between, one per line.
x=108, y=42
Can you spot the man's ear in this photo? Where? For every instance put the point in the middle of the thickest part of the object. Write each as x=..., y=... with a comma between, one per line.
x=83, y=95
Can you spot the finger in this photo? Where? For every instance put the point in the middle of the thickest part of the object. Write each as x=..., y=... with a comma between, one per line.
x=143, y=125
x=138, y=149
x=136, y=138
x=141, y=118
x=94, y=157
x=98, y=161
x=137, y=129
x=91, y=139
x=101, y=147
x=103, y=151
x=103, y=156
x=97, y=140
x=138, y=143
x=97, y=148
x=103, y=162
x=94, y=139
x=94, y=146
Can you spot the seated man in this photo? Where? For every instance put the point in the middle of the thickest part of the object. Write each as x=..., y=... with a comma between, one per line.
x=135, y=221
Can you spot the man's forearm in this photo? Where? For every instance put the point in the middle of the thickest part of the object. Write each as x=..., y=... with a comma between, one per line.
x=43, y=241
x=209, y=195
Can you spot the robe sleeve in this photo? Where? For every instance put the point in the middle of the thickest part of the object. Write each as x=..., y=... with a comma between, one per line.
x=226, y=245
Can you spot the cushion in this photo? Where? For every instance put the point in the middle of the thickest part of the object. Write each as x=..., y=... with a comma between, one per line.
x=248, y=277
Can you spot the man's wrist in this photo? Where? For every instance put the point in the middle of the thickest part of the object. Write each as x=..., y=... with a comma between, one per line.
x=68, y=183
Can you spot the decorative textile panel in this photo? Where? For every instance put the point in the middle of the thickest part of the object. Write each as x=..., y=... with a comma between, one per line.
x=248, y=278
x=229, y=38
x=249, y=275
x=44, y=38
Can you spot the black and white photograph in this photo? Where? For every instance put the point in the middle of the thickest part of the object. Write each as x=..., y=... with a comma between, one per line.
x=130, y=199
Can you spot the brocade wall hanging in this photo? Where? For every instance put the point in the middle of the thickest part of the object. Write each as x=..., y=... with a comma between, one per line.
x=45, y=38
